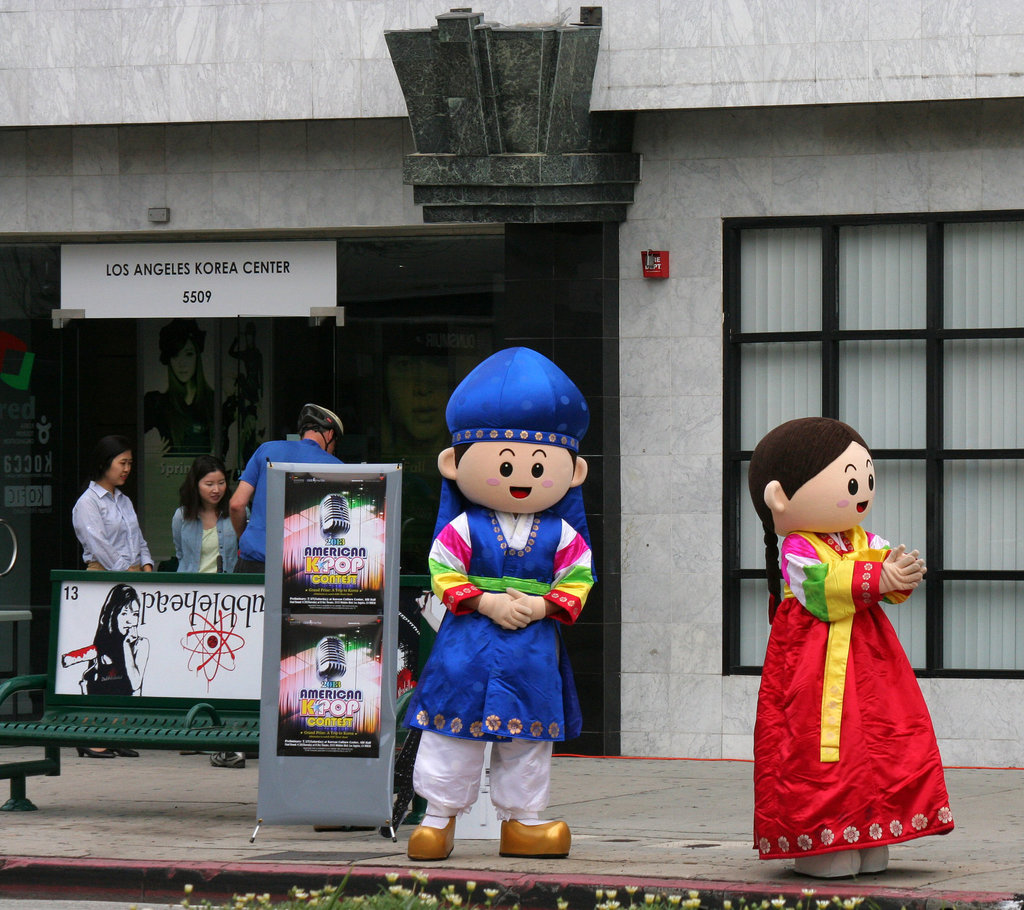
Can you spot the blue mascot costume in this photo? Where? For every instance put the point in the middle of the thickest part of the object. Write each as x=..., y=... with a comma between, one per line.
x=511, y=562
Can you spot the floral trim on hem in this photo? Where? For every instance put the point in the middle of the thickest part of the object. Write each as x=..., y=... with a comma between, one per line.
x=491, y=727
x=826, y=839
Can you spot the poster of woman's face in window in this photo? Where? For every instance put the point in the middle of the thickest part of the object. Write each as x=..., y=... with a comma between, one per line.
x=182, y=412
x=417, y=390
x=203, y=392
x=421, y=366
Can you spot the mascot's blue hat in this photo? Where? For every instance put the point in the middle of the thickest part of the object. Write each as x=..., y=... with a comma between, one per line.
x=518, y=395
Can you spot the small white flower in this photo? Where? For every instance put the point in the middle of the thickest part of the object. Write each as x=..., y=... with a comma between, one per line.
x=896, y=827
x=765, y=845
x=827, y=836
x=804, y=842
x=920, y=822
x=649, y=899
x=851, y=835
x=391, y=878
x=945, y=815
x=875, y=831
x=778, y=902
x=784, y=844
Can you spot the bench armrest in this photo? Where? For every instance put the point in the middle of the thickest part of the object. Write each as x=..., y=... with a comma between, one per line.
x=16, y=684
x=202, y=708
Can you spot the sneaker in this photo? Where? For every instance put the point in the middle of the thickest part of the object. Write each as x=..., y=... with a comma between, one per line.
x=228, y=760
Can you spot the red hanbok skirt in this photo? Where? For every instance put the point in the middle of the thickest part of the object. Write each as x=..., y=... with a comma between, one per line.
x=888, y=785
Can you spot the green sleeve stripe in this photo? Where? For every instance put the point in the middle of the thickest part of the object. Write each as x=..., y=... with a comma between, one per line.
x=814, y=591
x=439, y=568
x=577, y=575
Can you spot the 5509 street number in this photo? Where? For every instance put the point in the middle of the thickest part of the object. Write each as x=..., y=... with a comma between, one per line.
x=196, y=296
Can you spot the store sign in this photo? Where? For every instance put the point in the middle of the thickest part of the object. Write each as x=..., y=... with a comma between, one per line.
x=198, y=280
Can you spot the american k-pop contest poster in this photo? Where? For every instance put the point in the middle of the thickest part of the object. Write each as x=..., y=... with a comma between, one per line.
x=332, y=616
x=330, y=685
x=333, y=556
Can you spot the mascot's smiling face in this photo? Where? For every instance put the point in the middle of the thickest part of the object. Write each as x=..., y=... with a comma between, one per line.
x=836, y=499
x=513, y=476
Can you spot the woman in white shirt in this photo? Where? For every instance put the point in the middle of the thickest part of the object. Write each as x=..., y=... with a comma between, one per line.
x=204, y=539
x=104, y=518
x=108, y=529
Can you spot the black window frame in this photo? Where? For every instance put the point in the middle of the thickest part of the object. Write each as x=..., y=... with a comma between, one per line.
x=830, y=336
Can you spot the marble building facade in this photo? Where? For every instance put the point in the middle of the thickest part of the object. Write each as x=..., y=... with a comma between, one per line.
x=268, y=117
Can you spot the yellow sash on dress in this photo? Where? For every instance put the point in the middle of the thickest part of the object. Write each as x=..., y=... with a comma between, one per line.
x=837, y=655
x=841, y=610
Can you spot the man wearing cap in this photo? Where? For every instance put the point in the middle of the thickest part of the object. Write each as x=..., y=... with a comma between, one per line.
x=511, y=562
x=319, y=430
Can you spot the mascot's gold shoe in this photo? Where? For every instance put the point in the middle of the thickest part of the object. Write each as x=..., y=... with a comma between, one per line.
x=432, y=843
x=550, y=839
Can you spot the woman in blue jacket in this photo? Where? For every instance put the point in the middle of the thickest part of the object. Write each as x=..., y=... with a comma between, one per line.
x=204, y=539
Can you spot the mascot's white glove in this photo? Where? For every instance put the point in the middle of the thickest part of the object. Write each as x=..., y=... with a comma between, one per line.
x=901, y=571
x=537, y=605
x=504, y=610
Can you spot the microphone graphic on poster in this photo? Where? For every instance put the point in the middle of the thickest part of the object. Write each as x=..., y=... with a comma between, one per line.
x=334, y=518
x=330, y=657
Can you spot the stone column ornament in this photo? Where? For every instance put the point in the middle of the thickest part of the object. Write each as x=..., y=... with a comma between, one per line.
x=502, y=126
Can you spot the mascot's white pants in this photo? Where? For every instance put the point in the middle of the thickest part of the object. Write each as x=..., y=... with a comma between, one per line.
x=448, y=769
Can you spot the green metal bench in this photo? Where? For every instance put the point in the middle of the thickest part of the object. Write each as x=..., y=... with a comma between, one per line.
x=138, y=723
x=74, y=719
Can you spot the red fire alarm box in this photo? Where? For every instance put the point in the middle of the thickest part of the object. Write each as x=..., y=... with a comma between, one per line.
x=655, y=263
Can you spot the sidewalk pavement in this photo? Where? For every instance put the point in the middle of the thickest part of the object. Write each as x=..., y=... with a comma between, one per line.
x=140, y=829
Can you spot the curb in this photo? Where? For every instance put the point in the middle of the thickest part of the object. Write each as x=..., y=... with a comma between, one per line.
x=138, y=881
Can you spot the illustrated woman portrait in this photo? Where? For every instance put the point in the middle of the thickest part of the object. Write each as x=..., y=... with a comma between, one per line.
x=184, y=414
x=118, y=657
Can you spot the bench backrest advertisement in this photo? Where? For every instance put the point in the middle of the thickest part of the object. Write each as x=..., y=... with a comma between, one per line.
x=156, y=635
x=328, y=707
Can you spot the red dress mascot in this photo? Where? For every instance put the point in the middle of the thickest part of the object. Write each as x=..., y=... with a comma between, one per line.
x=845, y=758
